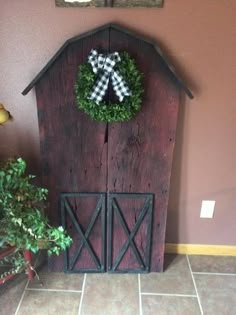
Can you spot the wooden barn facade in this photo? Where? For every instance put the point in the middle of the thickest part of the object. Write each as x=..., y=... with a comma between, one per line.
x=108, y=182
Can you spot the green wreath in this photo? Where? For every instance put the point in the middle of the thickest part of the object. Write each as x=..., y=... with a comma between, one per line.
x=108, y=111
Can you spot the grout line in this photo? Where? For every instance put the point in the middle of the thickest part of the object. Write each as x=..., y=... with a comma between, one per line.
x=140, y=296
x=21, y=299
x=82, y=294
x=170, y=294
x=214, y=273
x=195, y=286
x=54, y=290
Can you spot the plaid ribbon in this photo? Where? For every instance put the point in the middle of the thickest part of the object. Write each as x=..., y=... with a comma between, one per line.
x=103, y=66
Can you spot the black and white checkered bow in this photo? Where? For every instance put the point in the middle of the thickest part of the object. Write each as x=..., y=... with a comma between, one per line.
x=103, y=66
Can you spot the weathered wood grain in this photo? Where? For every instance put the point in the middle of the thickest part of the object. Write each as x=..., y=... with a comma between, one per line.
x=83, y=208
x=73, y=151
x=140, y=151
x=111, y=3
x=92, y=3
x=81, y=155
x=137, y=3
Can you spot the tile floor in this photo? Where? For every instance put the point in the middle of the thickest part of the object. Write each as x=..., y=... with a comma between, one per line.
x=190, y=285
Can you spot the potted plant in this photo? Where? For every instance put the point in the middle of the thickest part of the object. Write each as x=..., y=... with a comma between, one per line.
x=22, y=220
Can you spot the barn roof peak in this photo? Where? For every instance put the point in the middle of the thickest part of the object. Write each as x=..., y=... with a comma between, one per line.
x=96, y=30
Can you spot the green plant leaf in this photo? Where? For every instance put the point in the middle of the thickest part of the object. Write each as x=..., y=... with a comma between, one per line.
x=22, y=222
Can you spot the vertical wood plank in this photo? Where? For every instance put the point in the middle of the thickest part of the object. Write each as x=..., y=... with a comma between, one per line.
x=140, y=151
x=73, y=150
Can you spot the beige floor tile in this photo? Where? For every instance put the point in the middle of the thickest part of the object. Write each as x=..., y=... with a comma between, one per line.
x=10, y=294
x=176, y=279
x=175, y=264
x=109, y=294
x=118, y=294
x=49, y=303
x=57, y=281
x=218, y=264
x=217, y=294
x=169, y=305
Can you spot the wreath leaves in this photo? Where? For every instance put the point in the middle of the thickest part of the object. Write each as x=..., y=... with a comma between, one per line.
x=108, y=111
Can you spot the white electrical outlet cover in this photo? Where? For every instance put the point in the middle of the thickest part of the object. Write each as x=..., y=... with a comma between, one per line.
x=207, y=209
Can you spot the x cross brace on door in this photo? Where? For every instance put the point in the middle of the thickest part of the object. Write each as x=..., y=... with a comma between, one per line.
x=100, y=209
x=114, y=208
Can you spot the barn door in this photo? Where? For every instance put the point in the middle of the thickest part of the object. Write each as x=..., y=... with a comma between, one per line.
x=86, y=156
x=83, y=215
x=129, y=249
x=97, y=247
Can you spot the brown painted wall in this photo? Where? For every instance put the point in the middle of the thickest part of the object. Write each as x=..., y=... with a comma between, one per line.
x=199, y=38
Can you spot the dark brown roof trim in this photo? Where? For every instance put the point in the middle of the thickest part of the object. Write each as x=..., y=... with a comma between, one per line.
x=178, y=81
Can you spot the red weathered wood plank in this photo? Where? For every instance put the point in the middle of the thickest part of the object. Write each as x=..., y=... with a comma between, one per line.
x=140, y=151
x=73, y=152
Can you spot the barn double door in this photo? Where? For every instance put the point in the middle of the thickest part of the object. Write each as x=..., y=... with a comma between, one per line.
x=78, y=155
x=111, y=232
